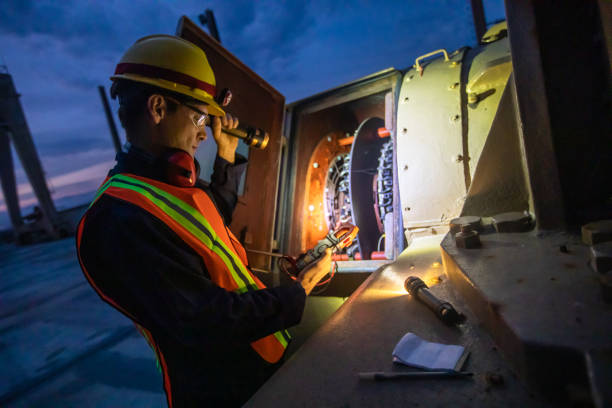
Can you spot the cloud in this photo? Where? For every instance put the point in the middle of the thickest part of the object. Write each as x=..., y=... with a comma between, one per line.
x=348, y=41
x=61, y=185
x=85, y=27
x=59, y=51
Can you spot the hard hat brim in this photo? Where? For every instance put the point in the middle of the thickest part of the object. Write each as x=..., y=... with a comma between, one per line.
x=213, y=107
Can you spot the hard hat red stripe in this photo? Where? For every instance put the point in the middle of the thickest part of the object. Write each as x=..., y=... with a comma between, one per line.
x=152, y=71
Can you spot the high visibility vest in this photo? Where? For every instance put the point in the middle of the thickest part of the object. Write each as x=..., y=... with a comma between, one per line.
x=192, y=215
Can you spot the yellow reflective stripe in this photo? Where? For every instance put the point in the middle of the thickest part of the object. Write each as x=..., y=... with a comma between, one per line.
x=189, y=227
x=281, y=339
x=213, y=244
x=100, y=191
x=203, y=221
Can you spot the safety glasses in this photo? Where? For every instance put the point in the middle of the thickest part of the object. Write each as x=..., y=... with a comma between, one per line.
x=198, y=121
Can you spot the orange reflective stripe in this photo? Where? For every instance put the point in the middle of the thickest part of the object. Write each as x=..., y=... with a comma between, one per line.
x=183, y=209
x=176, y=215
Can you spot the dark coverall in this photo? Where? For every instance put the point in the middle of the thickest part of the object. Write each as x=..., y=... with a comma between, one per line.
x=203, y=331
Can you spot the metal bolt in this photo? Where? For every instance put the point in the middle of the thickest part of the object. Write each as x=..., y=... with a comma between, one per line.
x=600, y=257
x=468, y=239
x=315, y=165
x=405, y=99
x=404, y=130
x=406, y=208
x=597, y=232
x=467, y=222
x=472, y=97
x=453, y=64
x=329, y=138
x=512, y=222
x=455, y=118
x=453, y=86
x=405, y=167
x=458, y=158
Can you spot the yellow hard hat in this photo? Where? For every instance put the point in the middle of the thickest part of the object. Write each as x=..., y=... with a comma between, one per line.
x=171, y=63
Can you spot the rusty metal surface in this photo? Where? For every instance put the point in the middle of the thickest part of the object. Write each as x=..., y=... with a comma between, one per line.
x=361, y=335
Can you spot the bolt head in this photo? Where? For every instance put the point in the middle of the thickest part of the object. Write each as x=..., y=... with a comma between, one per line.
x=468, y=239
x=512, y=222
x=471, y=222
x=600, y=257
x=597, y=232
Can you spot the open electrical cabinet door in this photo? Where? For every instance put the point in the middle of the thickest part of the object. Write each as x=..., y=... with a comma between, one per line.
x=257, y=104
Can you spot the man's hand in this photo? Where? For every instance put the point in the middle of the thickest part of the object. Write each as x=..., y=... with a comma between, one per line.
x=226, y=144
x=309, y=277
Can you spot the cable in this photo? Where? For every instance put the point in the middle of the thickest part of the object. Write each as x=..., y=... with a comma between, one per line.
x=379, y=240
x=325, y=284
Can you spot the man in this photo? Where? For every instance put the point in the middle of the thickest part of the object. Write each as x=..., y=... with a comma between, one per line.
x=154, y=242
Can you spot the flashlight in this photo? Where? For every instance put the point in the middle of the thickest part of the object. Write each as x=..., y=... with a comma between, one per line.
x=254, y=137
x=444, y=310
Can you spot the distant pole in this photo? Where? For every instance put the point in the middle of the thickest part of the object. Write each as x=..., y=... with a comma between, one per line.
x=110, y=119
x=480, y=24
x=7, y=178
x=17, y=126
x=208, y=19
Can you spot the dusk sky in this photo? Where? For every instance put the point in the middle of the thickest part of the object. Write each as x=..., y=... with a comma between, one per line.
x=58, y=52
